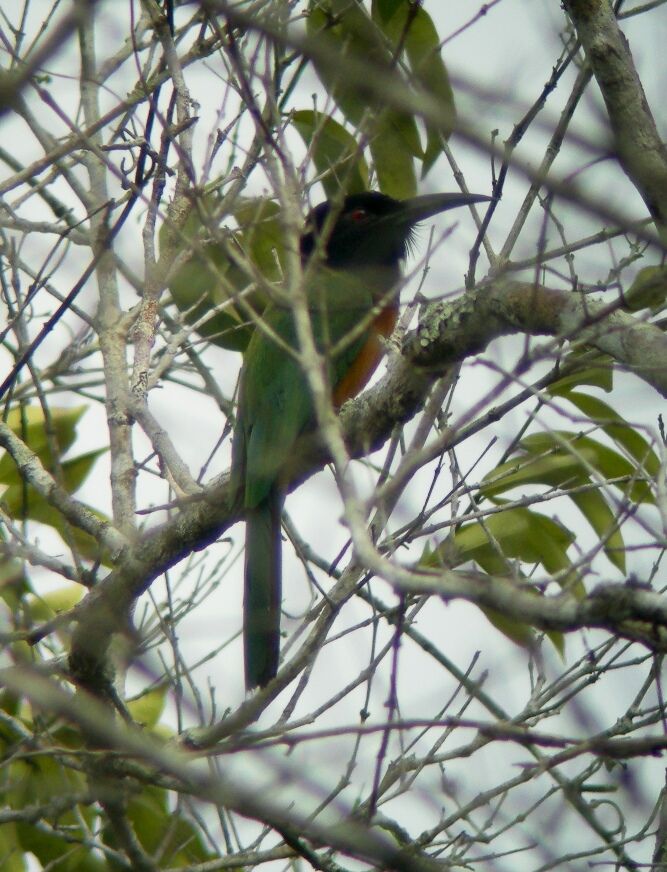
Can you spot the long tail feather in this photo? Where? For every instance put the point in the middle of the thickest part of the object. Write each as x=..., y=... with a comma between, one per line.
x=263, y=591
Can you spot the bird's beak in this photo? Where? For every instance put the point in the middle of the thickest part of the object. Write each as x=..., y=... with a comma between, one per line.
x=417, y=209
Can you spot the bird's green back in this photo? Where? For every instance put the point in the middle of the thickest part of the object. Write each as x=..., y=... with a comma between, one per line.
x=275, y=402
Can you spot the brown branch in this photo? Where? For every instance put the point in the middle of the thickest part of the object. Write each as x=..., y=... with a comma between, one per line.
x=451, y=331
x=347, y=835
x=447, y=334
x=640, y=150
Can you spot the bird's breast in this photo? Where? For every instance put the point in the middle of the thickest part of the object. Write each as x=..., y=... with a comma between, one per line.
x=367, y=360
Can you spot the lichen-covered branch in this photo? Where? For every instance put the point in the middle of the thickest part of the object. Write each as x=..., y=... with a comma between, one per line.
x=448, y=334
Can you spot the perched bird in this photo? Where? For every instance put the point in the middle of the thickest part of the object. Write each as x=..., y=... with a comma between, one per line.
x=352, y=292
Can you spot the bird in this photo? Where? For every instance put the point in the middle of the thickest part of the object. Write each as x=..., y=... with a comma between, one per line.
x=352, y=290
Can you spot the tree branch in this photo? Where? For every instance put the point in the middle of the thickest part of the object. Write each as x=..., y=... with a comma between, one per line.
x=448, y=333
x=641, y=152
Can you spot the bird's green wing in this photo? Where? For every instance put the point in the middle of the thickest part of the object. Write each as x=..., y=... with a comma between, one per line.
x=275, y=404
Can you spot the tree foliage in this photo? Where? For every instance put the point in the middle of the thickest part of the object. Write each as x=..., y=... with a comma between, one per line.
x=474, y=616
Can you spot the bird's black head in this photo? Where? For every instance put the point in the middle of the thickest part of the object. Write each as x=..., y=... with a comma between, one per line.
x=373, y=229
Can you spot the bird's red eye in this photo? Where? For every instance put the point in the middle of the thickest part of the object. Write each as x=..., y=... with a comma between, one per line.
x=357, y=214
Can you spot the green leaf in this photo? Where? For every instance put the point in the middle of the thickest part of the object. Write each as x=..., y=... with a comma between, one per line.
x=563, y=459
x=342, y=34
x=261, y=235
x=25, y=503
x=203, y=282
x=597, y=374
x=384, y=10
x=519, y=632
x=12, y=571
x=602, y=519
x=13, y=859
x=54, y=602
x=516, y=533
x=29, y=424
x=618, y=429
x=36, y=782
x=412, y=28
x=334, y=151
x=348, y=31
x=520, y=533
x=147, y=708
x=392, y=156
x=14, y=579
x=149, y=814
x=210, y=277
x=556, y=470
x=423, y=50
x=588, y=452
x=158, y=828
x=648, y=291
x=21, y=501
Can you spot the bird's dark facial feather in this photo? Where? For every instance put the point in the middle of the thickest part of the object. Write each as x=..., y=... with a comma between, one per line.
x=366, y=231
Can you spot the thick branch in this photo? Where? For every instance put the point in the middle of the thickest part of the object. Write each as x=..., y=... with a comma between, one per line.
x=349, y=836
x=448, y=334
x=641, y=152
x=33, y=472
x=636, y=613
x=451, y=331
